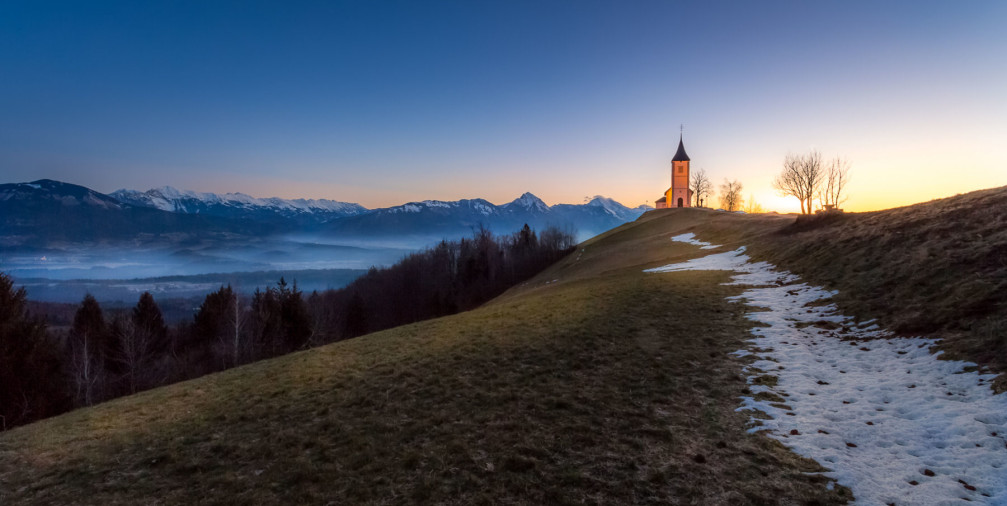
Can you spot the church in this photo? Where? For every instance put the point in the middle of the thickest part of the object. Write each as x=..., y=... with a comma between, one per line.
x=679, y=195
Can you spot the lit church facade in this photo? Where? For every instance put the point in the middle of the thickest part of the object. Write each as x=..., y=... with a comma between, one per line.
x=679, y=195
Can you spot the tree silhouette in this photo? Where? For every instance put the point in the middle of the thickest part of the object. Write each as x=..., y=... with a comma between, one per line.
x=801, y=177
x=701, y=186
x=89, y=347
x=141, y=339
x=30, y=371
x=730, y=195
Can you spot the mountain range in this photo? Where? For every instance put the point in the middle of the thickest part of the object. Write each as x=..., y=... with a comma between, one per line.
x=43, y=211
x=239, y=205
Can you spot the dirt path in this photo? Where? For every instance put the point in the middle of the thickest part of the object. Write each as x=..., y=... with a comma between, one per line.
x=888, y=418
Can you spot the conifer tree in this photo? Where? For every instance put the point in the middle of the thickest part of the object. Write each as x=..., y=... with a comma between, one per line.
x=147, y=318
x=140, y=340
x=30, y=372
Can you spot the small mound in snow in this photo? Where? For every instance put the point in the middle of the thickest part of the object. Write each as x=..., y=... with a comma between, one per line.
x=893, y=422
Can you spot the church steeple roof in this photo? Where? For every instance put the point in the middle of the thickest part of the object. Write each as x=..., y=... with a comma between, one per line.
x=680, y=155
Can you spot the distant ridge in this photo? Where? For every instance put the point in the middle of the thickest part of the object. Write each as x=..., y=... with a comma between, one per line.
x=43, y=211
x=237, y=205
x=46, y=210
x=458, y=218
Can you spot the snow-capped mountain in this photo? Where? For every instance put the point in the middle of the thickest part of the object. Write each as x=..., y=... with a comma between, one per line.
x=54, y=229
x=238, y=205
x=434, y=218
x=47, y=191
x=526, y=203
x=478, y=206
x=616, y=209
x=45, y=211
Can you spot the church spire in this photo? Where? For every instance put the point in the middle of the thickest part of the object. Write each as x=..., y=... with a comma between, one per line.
x=680, y=155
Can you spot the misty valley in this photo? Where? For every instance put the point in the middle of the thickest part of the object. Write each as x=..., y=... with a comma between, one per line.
x=63, y=241
x=121, y=272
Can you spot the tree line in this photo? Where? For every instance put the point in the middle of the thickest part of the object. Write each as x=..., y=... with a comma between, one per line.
x=46, y=371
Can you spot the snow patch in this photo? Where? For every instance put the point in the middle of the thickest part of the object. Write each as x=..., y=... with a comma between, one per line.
x=437, y=203
x=691, y=239
x=171, y=199
x=891, y=421
x=483, y=209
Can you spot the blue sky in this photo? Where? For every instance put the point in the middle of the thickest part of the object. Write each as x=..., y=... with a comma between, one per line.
x=385, y=102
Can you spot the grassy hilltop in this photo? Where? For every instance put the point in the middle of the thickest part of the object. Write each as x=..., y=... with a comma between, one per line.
x=591, y=383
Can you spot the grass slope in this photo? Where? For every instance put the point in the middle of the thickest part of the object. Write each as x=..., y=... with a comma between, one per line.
x=606, y=386
x=936, y=269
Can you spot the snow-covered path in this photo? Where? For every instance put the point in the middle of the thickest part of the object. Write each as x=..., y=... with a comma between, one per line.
x=884, y=415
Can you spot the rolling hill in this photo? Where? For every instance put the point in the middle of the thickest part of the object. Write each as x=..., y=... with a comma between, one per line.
x=591, y=383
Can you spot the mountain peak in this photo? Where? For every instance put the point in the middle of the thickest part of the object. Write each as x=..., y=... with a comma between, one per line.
x=528, y=201
x=602, y=201
x=607, y=204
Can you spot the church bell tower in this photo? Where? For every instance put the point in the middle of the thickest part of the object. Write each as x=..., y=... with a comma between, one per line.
x=679, y=195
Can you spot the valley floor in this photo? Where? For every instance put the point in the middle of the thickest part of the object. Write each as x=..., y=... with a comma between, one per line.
x=890, y=420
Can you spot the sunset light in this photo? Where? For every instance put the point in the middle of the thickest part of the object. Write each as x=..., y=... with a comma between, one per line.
x=386, y=105
x=514, y=252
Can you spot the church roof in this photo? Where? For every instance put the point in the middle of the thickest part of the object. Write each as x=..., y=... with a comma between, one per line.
x=680, y=155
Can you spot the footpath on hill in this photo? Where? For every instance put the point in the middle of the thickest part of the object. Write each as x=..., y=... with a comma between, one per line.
x=884, y=415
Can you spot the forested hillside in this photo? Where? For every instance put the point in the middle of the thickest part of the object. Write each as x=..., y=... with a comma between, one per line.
x=105, y=355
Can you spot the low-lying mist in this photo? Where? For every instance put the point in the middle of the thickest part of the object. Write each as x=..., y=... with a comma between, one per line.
x=182, y=269
x=126, y=291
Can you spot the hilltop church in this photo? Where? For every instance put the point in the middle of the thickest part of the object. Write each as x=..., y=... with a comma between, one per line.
x=679, y=195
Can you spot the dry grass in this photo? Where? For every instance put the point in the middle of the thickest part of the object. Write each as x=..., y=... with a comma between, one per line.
x=608, y=386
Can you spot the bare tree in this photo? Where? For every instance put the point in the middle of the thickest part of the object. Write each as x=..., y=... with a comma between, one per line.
x=232, y=346
x=801, y=177
x=237, y=321
x=87, y=372
x=753, y=207
x=702, y=187
x=811, y=175
x=134, y=352
x=788, y=181
x=832, y=191
x=89, y=348
x=730, y=195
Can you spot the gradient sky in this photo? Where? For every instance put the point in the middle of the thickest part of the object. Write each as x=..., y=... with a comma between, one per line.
x=386, y=102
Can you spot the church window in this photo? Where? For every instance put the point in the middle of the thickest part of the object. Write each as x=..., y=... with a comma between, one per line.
x=681, y=169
